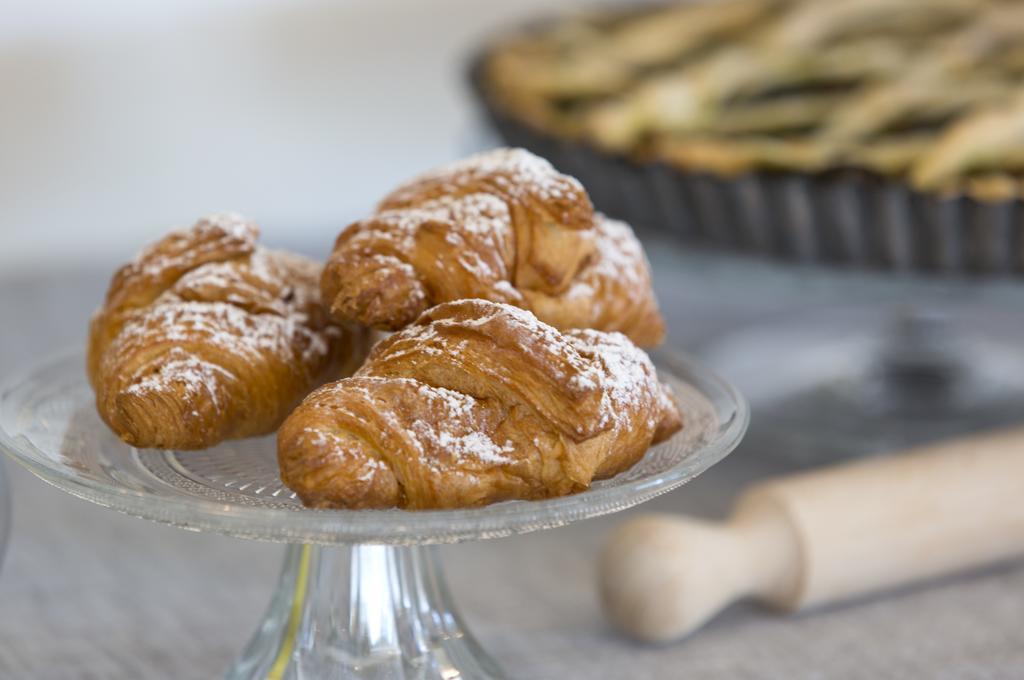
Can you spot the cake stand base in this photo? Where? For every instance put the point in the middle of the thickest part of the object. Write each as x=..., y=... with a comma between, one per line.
x=362, y=611
x=374, y=604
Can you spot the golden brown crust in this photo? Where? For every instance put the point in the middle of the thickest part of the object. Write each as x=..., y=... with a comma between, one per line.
x=730, y=157
x=990, y=139
x=476, y=402
x=207, y=336
x=502, y=226
x=549, y=211
x=611, y=292
x=388, y=269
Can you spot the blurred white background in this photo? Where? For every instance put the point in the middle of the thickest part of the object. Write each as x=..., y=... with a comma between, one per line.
x=122, y=118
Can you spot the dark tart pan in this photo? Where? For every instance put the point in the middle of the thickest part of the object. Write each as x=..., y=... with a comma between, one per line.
x=842, y=217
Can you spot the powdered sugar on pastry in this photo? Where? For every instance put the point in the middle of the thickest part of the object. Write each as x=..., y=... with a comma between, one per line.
x=449, y=432
x=503, y=226
x=516, y=172
x=592, y=362
x=229, y=328
x=192, y=374
x=475, y=402
x=454, y=432
x=472, y=223
x=622, y=372
x=183, y=248
x=604, y=293
x=206, y=310
x=617, y=253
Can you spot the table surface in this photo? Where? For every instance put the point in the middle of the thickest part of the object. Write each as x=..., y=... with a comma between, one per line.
x=88, y=593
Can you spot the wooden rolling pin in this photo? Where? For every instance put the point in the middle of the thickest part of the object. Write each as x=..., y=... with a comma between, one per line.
x=822, y=536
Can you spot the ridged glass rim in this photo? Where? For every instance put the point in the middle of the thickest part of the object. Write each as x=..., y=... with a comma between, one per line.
x=386, y=526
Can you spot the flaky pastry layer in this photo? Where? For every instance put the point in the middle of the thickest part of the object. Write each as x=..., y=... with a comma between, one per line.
x=503, y=226
x=207, y=336
x=474, y=403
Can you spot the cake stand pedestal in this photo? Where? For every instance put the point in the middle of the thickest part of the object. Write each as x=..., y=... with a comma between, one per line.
x=366, y=611
x=361, y=594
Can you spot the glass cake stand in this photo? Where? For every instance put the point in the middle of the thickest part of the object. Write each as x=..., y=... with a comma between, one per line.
x=361, y=593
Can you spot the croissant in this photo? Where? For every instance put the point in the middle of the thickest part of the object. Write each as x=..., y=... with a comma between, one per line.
x=474, y=403
x=502, y=226
x=207, y=336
